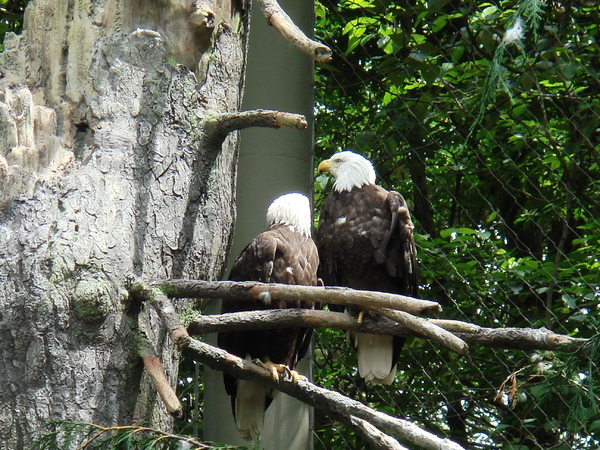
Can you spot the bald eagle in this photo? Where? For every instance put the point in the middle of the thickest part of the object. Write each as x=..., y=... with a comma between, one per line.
x=365, y=241
x=285, y=253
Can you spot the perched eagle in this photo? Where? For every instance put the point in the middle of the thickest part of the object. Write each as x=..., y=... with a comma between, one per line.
x=285, y=253
x=365, y=241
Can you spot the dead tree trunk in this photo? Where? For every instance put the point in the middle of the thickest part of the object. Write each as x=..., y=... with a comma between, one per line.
x=106, y=174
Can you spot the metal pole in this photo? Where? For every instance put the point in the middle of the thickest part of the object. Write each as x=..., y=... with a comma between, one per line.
x=271, y=163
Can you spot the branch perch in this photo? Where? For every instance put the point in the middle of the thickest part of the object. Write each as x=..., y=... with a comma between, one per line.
x=510, y=338
x=305, y=391
x=374, y=437
x=425, y=328
x=279, y=20
x=250, y=290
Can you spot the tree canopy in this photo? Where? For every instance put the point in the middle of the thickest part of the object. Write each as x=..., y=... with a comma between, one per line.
x=486, y=115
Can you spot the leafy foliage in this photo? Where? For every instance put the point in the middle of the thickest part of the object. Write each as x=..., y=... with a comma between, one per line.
x=488, y=114
x=65, y=435
x=11, y=17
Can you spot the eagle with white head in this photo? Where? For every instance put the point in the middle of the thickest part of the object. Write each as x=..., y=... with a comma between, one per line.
x=365, y=241
x=284, y=253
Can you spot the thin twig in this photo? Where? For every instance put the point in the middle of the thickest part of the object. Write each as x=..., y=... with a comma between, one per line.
x=136, y=429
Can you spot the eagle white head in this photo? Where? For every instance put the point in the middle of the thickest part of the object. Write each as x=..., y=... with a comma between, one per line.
x=291, y=209
x=349, y=170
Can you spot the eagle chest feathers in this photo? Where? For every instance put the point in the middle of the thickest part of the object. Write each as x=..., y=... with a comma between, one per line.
x=279, y=255
x=284, y=253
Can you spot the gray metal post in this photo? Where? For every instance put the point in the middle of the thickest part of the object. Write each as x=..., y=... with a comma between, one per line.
x=272, y=162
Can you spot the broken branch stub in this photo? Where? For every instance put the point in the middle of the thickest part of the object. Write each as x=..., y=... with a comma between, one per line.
x=279, y=20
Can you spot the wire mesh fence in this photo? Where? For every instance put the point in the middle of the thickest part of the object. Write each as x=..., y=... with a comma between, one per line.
x=486, y=116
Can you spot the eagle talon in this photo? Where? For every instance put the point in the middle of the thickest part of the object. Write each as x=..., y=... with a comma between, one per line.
x=361, y=314
x=297, y=377
x=276, y=370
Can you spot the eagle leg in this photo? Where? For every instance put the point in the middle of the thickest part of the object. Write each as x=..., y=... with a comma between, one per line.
x=361, y=315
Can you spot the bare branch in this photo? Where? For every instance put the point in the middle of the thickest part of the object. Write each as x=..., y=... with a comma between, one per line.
x=165, y=391
x=228, y=122
x=377, y=428
x=528, y=339
x=425, y=328
x=155, y=370
x=317, y=397
x=376, y=439
x=305, y=391
x=165, y=310
x=278, y=18
x=250, y=290
x=456, y=325
x=218, y=126
x=523, y=339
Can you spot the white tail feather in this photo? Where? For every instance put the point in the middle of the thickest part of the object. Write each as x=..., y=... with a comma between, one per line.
x=375, y=353
x=250, y=404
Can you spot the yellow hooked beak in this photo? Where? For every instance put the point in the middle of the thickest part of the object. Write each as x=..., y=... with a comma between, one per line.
x=325, y=166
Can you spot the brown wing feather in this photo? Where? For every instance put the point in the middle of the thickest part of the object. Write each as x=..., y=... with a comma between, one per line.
x=365, y=241
x=279, y=255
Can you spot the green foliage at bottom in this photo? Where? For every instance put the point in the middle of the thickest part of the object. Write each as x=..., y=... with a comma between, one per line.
x=67, y=435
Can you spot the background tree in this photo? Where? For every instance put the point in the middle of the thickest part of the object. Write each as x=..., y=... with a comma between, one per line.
x=495, y=138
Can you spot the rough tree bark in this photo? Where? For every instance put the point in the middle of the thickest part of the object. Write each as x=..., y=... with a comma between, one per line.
x=106, y=174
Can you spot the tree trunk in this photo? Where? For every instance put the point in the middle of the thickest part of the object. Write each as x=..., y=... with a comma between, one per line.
x=107, y=174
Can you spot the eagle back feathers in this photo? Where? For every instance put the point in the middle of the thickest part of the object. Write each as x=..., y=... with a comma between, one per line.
x=279, y=255
x=365, y=241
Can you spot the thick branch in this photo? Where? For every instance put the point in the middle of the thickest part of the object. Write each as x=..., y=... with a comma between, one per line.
x=165, y=310
x=161, y=384
x=428, y=329
x=317, y=397
x=376, y=439
x=228, y=122
x=155, y=370
x=250, y=290
x=522, y=339
x=278, y=18
x=509, y=338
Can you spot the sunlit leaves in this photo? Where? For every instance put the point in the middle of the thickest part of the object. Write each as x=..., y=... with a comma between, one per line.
x=514, y=197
